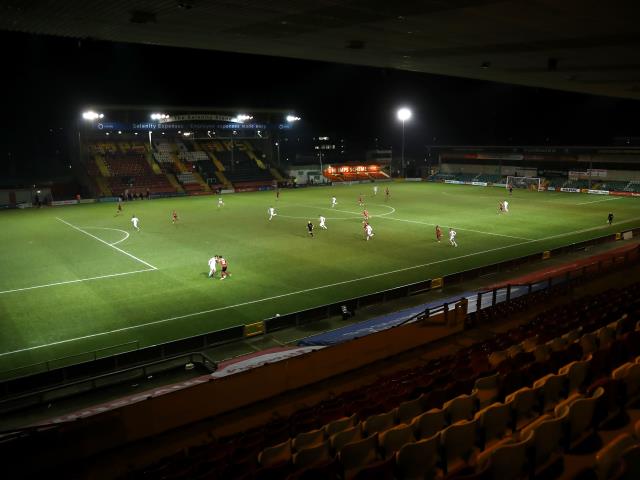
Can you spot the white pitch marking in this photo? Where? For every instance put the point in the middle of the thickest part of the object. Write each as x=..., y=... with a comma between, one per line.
x=601, y=200
x=462, y=229
x=385, y=215
x=306, y=290
x=76, y=281
x=126, y=234
x=357, y=214
x=107, y=243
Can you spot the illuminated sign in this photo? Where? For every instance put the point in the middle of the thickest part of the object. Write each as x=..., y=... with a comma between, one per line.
x=352, y=169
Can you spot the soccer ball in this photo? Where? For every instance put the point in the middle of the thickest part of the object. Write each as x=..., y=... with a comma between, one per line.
x=277, y=314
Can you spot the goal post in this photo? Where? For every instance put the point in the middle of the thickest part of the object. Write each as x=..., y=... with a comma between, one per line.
x=529, y=183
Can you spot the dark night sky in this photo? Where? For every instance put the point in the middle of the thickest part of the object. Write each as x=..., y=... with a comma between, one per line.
x=51, y=79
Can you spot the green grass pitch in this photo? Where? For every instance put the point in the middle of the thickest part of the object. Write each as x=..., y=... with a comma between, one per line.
x=79, y=278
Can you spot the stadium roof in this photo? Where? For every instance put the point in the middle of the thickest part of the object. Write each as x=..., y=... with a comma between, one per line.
x=575, y=45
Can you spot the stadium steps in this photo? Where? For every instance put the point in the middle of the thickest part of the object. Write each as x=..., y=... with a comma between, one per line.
x=216, y=162
x=104, y=189
x=276, y=174
x=152, y=163
x=254, y=157
x=198, y=178
x=179, y=165
x=102, y=166
x=174, y=182
x=224, y=180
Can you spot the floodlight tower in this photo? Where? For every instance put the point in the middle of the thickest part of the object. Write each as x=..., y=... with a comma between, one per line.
x=403, y=115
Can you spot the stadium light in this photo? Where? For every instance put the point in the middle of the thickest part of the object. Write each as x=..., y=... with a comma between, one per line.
x=292, y=118
x=403, y=114
x=159, y=116
x=91, y=115
x=241, y=118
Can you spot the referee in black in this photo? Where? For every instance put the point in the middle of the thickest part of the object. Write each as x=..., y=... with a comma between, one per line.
x=310, y=227
x=610, y=218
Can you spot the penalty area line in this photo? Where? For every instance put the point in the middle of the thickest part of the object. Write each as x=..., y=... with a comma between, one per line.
x=78, y=280
x=107, y=243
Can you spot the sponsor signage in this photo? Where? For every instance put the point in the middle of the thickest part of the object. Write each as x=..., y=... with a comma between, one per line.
x=196, y=116
x=455, y=182
x=64, y=202
x=570, y=190
x=624, y=194
x=598, y=192
x=479, y=184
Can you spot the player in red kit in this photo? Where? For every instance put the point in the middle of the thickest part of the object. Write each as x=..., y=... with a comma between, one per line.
x=360, y=202
x=223, y=267
x=174, y=217
x=366, y=214
x=438, y=233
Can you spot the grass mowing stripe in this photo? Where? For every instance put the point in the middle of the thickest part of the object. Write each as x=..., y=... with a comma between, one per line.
x=77, y=280
x=107, y=243
x=307, y=290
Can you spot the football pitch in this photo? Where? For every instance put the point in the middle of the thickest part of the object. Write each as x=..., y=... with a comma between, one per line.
x=80, y=278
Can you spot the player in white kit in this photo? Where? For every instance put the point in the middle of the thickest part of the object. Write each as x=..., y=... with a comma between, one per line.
x=506, y=206
x=272, y=212
x=322, y=220
x=135, y=221
x=369, y=231
x=452, y=237
x=334, y=202
x=212, y=266
x=375, y=190
x=220, y=202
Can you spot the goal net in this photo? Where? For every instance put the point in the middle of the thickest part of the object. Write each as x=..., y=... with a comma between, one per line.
x=529, y=183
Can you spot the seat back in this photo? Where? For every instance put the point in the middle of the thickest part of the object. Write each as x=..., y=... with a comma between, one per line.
x=486, y=389
x=360, y=453
x=340, y=439
x=393, y=439
x=378, y=423
x=429, y=423
x=524, y=404
x=460, y=408
x=308, y=439
x=494, y=422
x=548, y=432
x=553, y=388
x=408, y=410
x=339, y=425
x=280, y=453
x=458, y=441
x=311, y=456
x=418, y=460
x=581, y=415
x=508, y=461
x=611, y=453
x=577, y=373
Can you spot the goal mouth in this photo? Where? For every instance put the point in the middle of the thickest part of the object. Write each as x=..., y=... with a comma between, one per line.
x=528, y=183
